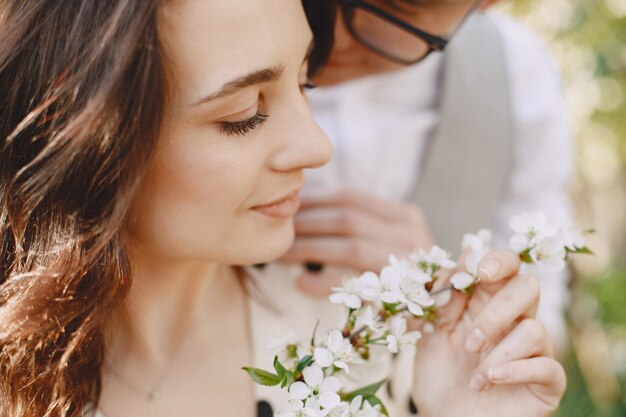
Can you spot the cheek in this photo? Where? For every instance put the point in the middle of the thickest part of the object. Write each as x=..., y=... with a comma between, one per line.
x=193, y=200
x=196, y=200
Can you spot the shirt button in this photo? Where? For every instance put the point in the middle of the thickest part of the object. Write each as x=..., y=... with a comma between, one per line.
x=264, y=409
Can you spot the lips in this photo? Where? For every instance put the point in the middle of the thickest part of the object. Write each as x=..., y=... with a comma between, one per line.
x=282, y=208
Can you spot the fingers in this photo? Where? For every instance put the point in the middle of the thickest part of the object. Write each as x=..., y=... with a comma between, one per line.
x=517, y=299
x=528, y=339
x=497, y=265
x=452, y=312
x=543, y=371
x=523, y=358
x=384, y=208
x=351, y=222
x=359, y=254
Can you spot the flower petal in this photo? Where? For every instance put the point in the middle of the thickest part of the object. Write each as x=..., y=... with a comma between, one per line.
x=335, y=340
x=330, y=384
x=461, y=280
x=299, y=390
x=313, y=375
x=329, y=399
x=323, y=357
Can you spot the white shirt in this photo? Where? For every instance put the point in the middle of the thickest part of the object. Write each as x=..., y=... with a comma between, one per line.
x=379, y=126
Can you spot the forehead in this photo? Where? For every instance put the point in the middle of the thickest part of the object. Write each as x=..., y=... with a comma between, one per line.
x=212, y=41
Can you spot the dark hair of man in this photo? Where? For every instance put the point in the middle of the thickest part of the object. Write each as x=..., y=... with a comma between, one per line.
x=321, y=15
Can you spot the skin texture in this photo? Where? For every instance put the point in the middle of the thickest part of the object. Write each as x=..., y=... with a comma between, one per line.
x=197, y=212
x=509, y=370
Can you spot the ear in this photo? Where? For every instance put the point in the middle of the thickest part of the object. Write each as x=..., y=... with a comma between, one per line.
x=487, y=3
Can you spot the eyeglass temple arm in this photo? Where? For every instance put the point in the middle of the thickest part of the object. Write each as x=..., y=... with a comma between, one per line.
x=435, y=42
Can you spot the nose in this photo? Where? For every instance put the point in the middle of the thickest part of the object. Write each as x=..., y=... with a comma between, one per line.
x=304, y=144
x=343, y=39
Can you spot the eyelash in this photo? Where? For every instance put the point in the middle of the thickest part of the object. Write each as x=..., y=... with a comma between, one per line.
x=242, y=127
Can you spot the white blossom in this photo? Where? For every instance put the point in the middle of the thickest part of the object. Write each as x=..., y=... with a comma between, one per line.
x=530, y=229
x=349, y=294
x=280, y=346
x=461, y=280
x=368, y=410
x=297, y=408
x=390, y=284
x=570, y=236
x=401, y=341
x=338, y=352
x=549, y=254
x=403, y=268
x=479, y=242
x=357, y=408
x=439, y=257
x=397, y=286
x=415, y=295
x=369, y=318
x=356, y=289
x=316, y=386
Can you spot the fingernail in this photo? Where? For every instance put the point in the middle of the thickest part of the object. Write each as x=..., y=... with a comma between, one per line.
x=477, y=382
x=490, y=269
x=499, y=373
x=475, y=341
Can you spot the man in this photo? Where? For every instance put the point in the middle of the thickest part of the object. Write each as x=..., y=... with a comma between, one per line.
x=428, y=146
x=422, y=139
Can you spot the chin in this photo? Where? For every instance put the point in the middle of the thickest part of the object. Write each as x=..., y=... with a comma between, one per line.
x=267, y=246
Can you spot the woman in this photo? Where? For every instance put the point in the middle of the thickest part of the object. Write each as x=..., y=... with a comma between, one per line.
x=163, y=141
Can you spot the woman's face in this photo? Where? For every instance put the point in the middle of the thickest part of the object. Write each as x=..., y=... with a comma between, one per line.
x=237, y=135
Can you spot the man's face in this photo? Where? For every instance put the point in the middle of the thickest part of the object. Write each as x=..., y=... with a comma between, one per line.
x=351, y=59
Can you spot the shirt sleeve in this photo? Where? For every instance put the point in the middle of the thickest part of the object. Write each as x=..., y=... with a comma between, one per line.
x=543, y=152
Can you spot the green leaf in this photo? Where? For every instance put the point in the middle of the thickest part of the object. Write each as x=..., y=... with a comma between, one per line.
x=285, y=375
x=366, y=392
x=280, y=369
x=304, y=362
x=584, y=250
x=263, y=377
x=288, y=379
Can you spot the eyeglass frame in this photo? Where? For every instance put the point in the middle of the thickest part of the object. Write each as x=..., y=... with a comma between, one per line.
x=434, y=42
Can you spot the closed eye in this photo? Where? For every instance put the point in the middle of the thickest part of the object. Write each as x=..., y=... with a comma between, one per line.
x=242, y=127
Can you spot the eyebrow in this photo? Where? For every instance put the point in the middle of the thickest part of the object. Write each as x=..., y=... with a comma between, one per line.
x=257, y=77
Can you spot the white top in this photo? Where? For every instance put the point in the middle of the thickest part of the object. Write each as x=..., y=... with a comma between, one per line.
x=380, y=124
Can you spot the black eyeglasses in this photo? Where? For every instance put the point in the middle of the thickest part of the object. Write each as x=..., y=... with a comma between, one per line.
x=395, y=39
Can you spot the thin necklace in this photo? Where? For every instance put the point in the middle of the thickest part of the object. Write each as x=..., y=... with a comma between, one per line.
x=153, y=395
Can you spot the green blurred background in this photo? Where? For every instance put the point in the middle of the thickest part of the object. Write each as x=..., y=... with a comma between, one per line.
x=588, y=39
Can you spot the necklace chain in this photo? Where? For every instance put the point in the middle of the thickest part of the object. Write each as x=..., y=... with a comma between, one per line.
x=154, y=394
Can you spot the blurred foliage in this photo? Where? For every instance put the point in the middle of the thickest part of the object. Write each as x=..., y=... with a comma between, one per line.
x=588, y=39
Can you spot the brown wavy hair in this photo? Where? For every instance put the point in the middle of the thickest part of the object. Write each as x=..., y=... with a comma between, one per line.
x=82, y=90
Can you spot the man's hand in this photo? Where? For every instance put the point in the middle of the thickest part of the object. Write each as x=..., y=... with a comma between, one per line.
x=355, y=230
x=490, y=357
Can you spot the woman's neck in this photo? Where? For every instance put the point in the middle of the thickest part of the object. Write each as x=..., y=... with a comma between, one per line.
x=167, y=298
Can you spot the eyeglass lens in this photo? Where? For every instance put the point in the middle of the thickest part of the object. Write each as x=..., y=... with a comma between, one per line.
x=435, y=17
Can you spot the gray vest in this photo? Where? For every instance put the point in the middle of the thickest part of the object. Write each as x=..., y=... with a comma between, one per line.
x=467, y=163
